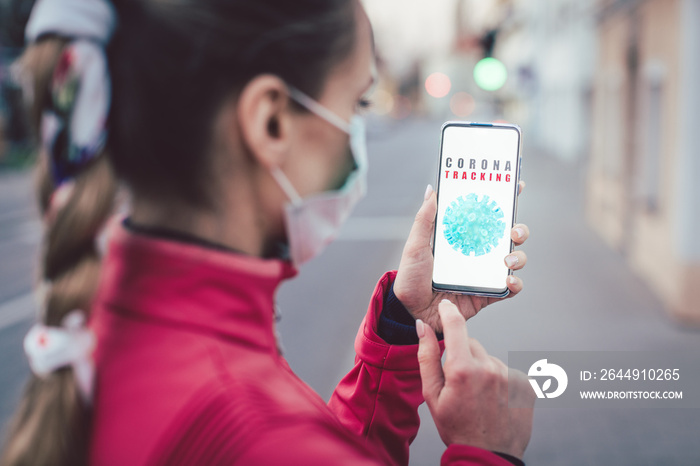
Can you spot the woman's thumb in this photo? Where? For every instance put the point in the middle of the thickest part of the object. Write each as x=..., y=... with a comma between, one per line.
x=429, y=362
x=422, y=229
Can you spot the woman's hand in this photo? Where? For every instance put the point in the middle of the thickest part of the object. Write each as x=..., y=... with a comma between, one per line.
x=473, y=399
x=413, y=284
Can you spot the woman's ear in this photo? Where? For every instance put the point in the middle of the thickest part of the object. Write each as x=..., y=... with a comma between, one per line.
x=263, y=116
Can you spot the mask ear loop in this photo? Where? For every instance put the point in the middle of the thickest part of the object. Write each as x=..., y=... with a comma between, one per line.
x=313, y=106
x=286, y=186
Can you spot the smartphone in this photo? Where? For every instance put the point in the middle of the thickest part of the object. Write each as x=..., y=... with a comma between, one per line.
x=477, y=200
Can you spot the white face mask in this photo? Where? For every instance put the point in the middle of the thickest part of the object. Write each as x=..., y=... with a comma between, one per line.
x=314, y=222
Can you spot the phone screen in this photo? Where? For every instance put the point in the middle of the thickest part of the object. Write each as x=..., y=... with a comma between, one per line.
x=477, y=195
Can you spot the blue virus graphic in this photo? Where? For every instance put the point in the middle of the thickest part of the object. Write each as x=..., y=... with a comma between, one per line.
x=473, y=226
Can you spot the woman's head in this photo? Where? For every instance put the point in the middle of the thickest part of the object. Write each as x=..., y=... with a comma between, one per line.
x=201, y=115
x=206, y=111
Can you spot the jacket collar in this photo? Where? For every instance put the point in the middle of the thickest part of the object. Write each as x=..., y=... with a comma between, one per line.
x=187, y=285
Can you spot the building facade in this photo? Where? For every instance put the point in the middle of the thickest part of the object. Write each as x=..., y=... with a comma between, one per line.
x=642, y=194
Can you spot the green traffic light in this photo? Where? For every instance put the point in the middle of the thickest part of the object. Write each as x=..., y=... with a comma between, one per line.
x=490, y=74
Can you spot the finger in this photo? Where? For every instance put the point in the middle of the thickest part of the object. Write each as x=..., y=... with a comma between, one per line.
x=422, y=229
x=478, y=350
x=455, y=331
x=429, y=364
x=516, y=260
x=514, y=284
x=520, y=233
x=521, y=187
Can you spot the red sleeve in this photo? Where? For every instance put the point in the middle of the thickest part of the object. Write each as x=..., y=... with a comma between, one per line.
x=379, y=398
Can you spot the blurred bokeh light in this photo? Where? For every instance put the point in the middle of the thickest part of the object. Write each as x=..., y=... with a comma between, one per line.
x=462, y=104
x=490, y=74
x=382, y=102
x=438, y=85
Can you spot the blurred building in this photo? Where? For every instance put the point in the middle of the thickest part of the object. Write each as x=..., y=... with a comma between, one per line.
x=556, y=41
x=548, y=48
x=642, y=191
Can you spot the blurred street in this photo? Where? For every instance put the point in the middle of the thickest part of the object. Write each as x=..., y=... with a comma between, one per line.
x=579, y=295
x=20, y=233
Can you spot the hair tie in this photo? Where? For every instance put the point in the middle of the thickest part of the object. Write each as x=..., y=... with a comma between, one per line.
x=71, y=344
x=73, y=128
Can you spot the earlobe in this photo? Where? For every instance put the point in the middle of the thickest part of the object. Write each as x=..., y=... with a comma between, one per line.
x=262, y=112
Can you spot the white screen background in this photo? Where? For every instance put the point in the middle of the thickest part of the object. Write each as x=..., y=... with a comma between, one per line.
x=451, y=267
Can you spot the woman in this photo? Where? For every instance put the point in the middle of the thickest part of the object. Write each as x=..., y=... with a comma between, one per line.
x=229, y=122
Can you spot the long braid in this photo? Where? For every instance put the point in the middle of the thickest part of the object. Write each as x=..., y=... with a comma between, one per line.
x=51, y=426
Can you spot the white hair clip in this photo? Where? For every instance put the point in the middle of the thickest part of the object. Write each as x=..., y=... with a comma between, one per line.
x=72, y=344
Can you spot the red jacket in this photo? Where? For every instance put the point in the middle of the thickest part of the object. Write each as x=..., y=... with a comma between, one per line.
x=188, y=371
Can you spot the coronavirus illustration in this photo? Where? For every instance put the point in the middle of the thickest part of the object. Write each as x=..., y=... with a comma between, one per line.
x=473, y=225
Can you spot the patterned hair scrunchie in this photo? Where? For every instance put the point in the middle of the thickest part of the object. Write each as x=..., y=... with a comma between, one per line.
x=73, y=128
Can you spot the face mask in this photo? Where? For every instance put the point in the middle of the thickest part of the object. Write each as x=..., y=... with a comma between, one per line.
x=314, y=222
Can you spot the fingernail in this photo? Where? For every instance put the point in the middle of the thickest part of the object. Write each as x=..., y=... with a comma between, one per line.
x=519, y=233
x=511, y=260
x=512, y=280
x=428, y=192
x=420, y=328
